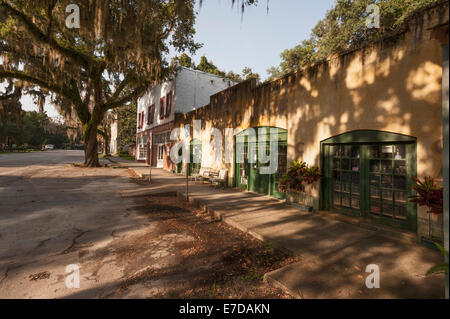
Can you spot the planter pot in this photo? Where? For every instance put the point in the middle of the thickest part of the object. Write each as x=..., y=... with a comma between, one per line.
x=429, y=243
x=302, y=200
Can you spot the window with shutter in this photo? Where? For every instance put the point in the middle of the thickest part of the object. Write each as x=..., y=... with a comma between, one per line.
x=161, y=108
x=151, y=114
x=169, y=103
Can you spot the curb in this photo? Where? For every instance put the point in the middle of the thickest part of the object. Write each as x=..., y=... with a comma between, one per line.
x=277, y=284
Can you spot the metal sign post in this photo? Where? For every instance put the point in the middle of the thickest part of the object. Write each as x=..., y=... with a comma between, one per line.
x=185, y=156
x=149, y=154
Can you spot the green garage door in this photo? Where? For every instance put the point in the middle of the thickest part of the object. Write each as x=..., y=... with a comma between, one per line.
x=368, y=174
x=248, y=171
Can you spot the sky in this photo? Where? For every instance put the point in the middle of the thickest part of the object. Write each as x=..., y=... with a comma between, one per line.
x=233, y=41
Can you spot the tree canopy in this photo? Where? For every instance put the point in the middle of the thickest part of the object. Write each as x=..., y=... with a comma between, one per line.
x=115, y=54
x=208, y=66
x=344, y=28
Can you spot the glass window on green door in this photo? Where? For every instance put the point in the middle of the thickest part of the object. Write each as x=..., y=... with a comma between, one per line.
x=250, y=168
x=388, y=181
x=372, y=180
x=346, y=176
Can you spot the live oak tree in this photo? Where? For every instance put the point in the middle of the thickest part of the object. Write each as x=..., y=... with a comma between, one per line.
x=112, y=58
x=103, y=61
x=344, y=28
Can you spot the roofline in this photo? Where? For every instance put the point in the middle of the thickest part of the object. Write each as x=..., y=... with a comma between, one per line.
x=209, y=74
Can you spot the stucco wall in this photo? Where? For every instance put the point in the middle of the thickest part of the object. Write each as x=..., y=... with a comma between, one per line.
x=393, y=85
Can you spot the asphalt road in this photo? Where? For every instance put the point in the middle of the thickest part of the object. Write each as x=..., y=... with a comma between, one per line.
x=53, y=215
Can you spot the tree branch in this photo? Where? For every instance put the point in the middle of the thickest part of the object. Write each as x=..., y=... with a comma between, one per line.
x=63, y=91
x=38, y=35
x=138, y=91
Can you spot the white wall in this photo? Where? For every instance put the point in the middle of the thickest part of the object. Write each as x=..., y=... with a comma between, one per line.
x=152, y=97
x=194, y=88
x=191, y=89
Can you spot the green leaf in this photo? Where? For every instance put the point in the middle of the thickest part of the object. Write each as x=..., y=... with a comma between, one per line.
x=439, y=268
x=442, y=250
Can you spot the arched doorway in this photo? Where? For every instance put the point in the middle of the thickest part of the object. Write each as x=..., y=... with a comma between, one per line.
x=248, y=165
x=368, y=174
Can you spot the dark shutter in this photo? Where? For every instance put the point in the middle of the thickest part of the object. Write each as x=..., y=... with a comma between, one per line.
x=169, y=104
x=161, y=108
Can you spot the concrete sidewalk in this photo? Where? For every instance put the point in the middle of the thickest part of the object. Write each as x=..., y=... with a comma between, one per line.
x=334, y=255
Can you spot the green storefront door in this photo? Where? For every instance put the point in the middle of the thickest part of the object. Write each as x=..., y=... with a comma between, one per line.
x=248, y=171
x=371, y=179
x=180, y=164
x=195, y=162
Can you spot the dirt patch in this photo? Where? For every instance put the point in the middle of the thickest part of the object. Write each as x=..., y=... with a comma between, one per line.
x=189, y=255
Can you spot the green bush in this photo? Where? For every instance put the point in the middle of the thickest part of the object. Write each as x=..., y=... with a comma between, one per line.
x=299, y=174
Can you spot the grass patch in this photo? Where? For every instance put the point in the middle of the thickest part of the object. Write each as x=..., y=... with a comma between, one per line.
x=127, y=156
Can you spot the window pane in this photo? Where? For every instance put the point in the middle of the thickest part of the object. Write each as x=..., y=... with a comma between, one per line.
x=400, y=151
x=355, y=178
x=336, y=163
x=337, y=186
x=346, y=177
x=386, y=166
x=336, y=176
x=336, y=199
x=347, y=150
x=386, y=181
x=387, y=195
x=386, y=151
x=374, y=180
x=335, y=151
x=355, y=189
x=345, y=201
x=374, y=166
x=355, y=165
x=400, y=167
x=345, y=187
x=355, y=202
x=400, y=197
x=400, y=182
x=345, y=164
x=374, y=192
x=400, y=212
x=387, y=208
x=374, y=151
x=375, y=207
x=355, y=151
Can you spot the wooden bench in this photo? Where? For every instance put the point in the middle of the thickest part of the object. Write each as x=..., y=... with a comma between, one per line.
x=202, y=174
x=212, y=175
x=220, y=178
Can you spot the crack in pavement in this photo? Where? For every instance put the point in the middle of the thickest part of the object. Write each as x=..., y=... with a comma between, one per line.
x=72, y=247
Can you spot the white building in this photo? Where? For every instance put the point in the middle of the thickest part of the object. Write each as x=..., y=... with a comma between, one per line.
x=186, y=91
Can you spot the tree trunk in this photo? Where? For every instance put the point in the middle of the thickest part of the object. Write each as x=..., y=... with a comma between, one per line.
x=91, y=147
x=91, y=131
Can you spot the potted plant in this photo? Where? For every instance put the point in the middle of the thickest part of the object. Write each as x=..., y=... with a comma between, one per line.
x=429, y=194
x=298, y=185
